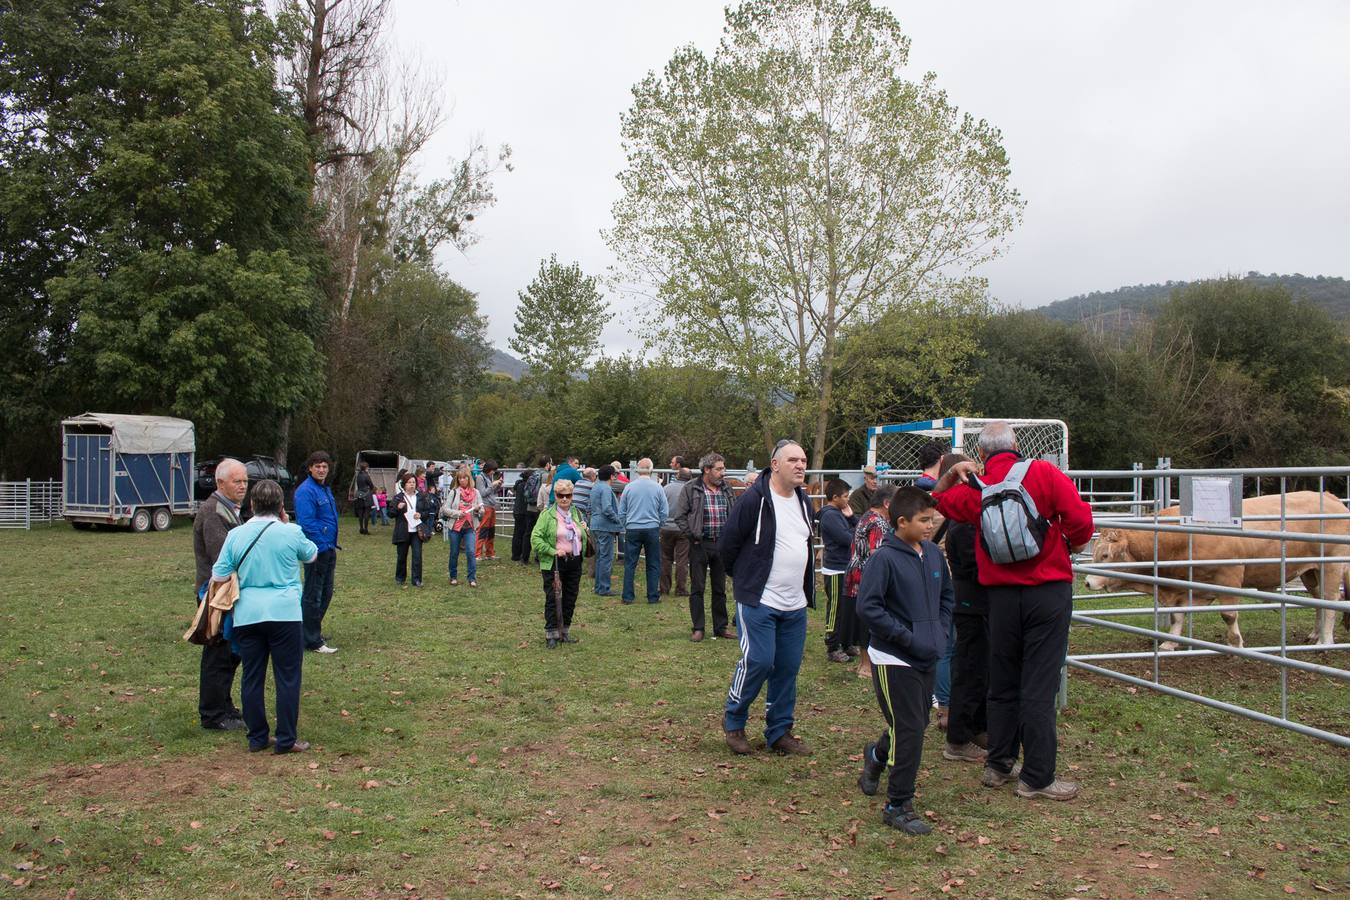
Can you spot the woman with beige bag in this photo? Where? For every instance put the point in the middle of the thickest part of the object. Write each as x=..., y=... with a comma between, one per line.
x=265, y=554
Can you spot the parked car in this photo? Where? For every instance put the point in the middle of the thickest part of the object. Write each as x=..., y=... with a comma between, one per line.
x=258, y=468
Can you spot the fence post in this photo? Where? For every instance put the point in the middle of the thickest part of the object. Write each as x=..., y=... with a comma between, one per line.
x=28, y=505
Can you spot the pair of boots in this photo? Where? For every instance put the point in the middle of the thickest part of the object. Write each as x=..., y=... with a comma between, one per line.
x=562, y=637
x=901, y=817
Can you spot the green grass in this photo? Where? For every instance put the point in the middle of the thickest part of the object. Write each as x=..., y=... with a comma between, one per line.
x=454, y=755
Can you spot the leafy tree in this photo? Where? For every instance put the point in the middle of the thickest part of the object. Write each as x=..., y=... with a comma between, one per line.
x=794, y=186
x=165, y=190
x=552, y=332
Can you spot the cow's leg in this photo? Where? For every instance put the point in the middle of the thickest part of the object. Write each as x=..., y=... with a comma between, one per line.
x=1175, y=630
x=1321, y=617
x=1234, y=633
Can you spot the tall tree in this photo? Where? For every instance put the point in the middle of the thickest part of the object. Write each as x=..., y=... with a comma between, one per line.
x=169, y=197
x=795, y=185
x=552, y=333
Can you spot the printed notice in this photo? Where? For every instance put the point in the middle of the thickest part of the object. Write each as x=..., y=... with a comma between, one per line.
x=1212, y=501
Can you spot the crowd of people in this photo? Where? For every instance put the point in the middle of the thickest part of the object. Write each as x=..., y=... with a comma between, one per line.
x=936, y=614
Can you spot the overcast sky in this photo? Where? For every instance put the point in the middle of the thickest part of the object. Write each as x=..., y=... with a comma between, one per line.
x=1151, y=140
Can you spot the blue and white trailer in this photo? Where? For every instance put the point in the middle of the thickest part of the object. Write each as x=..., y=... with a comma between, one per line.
x=127, y=470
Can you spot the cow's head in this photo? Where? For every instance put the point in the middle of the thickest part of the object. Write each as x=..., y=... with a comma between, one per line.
x=1110, y=546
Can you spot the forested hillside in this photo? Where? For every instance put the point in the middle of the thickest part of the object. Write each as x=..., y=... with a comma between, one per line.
x=1125, y=306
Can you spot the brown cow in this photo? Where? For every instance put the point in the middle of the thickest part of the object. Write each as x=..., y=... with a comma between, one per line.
x=1129, y=545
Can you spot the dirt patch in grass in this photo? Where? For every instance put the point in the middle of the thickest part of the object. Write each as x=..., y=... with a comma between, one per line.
x=152, y=782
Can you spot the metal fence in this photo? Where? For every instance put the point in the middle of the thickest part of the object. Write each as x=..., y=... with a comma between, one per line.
x=25, y=503
x=1313, y=544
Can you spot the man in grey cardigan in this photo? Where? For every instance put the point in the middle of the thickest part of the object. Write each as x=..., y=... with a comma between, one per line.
x=215, y=517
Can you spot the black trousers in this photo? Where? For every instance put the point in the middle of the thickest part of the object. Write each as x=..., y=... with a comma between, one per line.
x=217, y=678
x=568, y=570
x=904, y=695
x=970, y=679
x=283, y=643
x=704, y=560
x=401, y=568
x=841, y=617
x=1028, y=639
x=520, y=536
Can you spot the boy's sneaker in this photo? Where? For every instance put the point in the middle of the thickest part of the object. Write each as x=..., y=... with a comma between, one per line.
x=870, y=779
x=838, y=656
x=1059, y=789
x=967, y=752
x=903, y=818
x=994, y=778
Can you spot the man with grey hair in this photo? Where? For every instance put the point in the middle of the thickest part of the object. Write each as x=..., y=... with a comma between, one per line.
x=674, y=544
x=216, y=515
x=700, y=513
x=642, y=509
x=767, y=546
x=1030, y=603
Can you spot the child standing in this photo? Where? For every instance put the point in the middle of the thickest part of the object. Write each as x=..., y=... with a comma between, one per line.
x=836, y=533
x=906, y=600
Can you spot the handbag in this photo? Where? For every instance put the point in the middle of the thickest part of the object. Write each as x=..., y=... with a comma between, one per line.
x=220, y=599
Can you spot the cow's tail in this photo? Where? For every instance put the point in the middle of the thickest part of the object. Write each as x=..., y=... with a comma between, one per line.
x=1345, y=595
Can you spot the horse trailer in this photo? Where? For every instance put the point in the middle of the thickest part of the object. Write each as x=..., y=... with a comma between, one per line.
x=127, y=470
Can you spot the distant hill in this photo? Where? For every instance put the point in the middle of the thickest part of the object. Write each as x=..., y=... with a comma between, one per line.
x=1121, y=309
x=506, y=364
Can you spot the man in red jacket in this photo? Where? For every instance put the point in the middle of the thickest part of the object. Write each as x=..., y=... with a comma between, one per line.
x=1029, y=608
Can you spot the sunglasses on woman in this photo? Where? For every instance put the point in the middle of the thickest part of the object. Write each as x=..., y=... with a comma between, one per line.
x=563, y=496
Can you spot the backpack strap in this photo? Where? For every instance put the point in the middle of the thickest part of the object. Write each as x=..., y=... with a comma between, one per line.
x=1018, y=472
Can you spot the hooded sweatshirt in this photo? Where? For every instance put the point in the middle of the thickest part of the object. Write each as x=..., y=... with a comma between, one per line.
x=906, y=600
x=747, y=543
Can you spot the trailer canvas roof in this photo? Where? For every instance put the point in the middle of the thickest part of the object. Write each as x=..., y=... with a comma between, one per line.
x=142, y=434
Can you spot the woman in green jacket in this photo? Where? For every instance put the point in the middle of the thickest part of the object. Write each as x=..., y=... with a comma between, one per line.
x=559, y=543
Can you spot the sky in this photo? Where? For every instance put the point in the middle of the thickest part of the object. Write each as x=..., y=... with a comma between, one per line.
x=1152, y=141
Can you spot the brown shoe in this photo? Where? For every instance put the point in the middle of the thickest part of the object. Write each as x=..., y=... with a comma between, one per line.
x=789, y=745
x=966, y=752
x=737, y=742
x=696, y=636
x=994, y=778
x=1059, y=789
x=943, y=713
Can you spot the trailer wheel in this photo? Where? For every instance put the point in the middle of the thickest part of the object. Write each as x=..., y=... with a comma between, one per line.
x=163, y=518
x=140, y=521
x=82, y=526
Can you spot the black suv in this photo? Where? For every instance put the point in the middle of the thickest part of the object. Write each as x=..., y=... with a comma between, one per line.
x=258, y=468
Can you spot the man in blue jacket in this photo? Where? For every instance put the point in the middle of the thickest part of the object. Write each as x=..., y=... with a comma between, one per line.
x=766, y=545
x=642, y=509
x=316, y=513
x=906, y=600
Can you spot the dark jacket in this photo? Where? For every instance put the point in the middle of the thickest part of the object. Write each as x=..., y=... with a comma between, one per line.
x=520, y=498
x=836, y=533
x=426, y=503
x=747, y=543
x=906, y=601
x=971, y=597
x=214, y=520
x=688, y=509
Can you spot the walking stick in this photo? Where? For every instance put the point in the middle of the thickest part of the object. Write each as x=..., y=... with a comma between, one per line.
x=557, y=598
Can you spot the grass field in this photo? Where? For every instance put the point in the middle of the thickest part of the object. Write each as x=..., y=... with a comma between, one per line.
x=455, y=756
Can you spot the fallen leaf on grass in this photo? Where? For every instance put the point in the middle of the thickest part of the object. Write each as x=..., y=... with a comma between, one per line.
x=1214, y=830
x=194, y=824
x=329, y=835
x=982, y=840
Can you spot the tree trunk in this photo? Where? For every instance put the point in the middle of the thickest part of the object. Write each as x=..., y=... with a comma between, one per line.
x=283, y=440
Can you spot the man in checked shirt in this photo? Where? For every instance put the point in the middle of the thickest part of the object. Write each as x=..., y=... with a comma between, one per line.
x=700, y=514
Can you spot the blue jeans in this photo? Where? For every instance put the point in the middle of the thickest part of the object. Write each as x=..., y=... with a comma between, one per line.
x=942, y=684
x=636, y=540
x=316, y=595
x=771, y=650
x=468, y=538
x=604, y=559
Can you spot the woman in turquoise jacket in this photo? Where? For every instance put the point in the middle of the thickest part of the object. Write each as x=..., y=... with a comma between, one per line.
x=559, y=543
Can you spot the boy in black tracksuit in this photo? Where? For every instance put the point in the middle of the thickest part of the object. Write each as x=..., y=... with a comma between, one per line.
x=906, y=600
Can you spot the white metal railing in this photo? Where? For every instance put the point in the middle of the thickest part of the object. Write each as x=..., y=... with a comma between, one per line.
x=1146, y=492
x=25, y=503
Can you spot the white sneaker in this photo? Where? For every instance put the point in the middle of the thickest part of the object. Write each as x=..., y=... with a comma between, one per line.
x=325, y=649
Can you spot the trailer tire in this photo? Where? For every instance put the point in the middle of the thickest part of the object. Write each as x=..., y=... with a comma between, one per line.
x=140, y=521
x=162, y=518
x=82, y=526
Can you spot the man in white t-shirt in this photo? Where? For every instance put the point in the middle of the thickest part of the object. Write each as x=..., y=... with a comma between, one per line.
x=766, y=545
